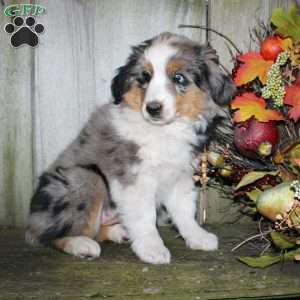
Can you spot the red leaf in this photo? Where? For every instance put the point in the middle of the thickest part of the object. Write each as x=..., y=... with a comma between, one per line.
x=292, y=98
x=253, y=66
x=249, y=105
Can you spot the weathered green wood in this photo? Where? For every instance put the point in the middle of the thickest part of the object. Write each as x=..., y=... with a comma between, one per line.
x=15, y=129
x=28, y=273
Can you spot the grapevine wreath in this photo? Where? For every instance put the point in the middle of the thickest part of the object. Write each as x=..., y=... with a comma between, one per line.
x=255, y=157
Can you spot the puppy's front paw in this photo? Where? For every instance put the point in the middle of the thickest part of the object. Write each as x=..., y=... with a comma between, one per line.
x=203, y=241
x=151, y=250
x=82, y=246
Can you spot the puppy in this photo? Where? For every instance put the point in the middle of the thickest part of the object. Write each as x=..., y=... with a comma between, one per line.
x=134, y=155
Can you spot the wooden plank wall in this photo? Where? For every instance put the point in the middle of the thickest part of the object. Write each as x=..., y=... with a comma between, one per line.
x=47, y=93
x=50, y=91
x=16, y=163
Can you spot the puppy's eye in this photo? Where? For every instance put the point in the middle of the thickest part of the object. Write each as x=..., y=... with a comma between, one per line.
x=144, y=78
x=180, y=79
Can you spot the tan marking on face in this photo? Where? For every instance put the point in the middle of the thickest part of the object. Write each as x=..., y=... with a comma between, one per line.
x=135, y=98
x=174, y=65
x=148, y=68
x=191, y=103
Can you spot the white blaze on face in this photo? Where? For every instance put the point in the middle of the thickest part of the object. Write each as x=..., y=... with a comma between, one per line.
x=159, y=55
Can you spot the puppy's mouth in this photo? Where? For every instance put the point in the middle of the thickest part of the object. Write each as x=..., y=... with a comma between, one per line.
x=157, y=120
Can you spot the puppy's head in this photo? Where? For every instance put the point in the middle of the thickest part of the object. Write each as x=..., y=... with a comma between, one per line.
x=171, y=77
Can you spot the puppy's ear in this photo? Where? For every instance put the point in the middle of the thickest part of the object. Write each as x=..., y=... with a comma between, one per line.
x=125, y=76
x=222, y=88
x=121, y=83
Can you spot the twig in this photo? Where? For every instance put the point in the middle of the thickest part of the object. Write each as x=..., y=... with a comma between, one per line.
x=230, y=52
x=259, y=33
x=288, y=130
x=202, y=210
x=250, y=239
x=214, y=31
x=225, y=69
x=266, y=248
x=260, y=230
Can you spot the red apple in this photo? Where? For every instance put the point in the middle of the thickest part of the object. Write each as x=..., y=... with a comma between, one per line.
x=271, y=47
x=255, y=139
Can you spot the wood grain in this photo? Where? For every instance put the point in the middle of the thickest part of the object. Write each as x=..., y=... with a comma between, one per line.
x=16, y=157
x=42, y=273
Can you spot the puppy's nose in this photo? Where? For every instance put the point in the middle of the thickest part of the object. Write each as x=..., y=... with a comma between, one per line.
x=154, y=108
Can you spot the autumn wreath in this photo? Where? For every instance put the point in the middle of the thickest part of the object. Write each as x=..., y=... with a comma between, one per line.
x=255, y=157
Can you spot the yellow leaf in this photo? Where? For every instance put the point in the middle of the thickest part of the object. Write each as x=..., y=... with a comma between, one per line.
x=249, y=105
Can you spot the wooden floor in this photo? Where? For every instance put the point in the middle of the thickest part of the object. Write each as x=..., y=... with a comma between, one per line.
x=39, y=273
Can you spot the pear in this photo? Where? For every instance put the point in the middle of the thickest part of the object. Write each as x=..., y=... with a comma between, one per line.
x=275, y=202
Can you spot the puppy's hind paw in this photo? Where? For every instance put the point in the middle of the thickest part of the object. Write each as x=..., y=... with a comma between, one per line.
x=118, y=234
x=204, y=241
x=82, y=247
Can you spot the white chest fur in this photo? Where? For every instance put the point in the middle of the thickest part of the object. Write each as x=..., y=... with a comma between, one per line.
x=159, y=146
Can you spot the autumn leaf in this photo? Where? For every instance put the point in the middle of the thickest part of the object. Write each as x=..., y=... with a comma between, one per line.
x=260, y=261
x=281, y=241
x=268, y=260
x=287, y=23
x=252, y=177
x=249, y=105
x=253, y=66
x=292, y=98
x=287, y=44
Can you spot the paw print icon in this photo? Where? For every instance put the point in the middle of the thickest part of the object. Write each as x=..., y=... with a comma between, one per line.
x=24, y=31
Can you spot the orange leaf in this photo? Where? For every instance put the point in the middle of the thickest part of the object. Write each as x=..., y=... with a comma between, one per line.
x=249, y=105
x=253, y=66
x=292, y=98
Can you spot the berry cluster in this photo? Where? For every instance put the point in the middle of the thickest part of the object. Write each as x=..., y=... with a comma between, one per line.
x=295, y=185
x=275, y=85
